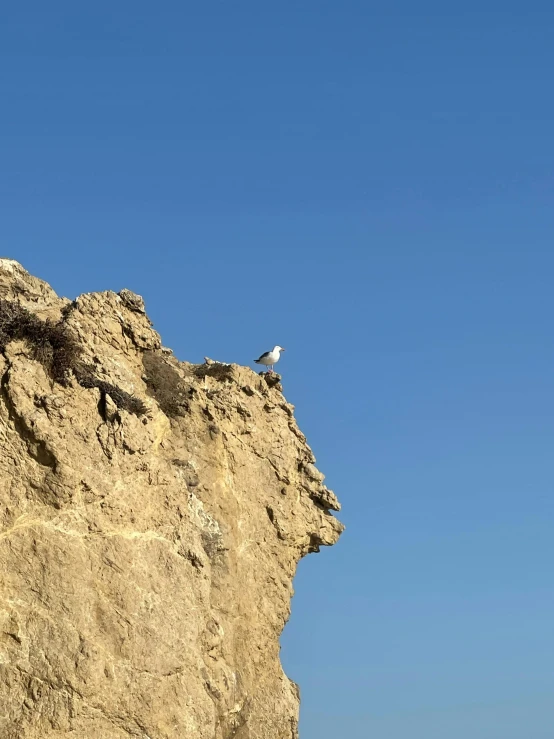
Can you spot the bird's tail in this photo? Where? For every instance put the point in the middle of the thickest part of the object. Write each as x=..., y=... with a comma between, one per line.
x=257, y=361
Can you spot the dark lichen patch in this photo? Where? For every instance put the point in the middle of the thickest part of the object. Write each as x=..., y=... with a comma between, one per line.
x=165, y=384
x=54, y=345
x=212, y=544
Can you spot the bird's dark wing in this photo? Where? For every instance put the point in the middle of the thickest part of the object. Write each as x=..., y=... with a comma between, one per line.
x=265, y=355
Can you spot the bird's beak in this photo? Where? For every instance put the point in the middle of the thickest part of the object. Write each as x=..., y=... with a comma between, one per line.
x=283, y=349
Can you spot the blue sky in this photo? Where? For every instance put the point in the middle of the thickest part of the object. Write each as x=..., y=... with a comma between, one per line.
x=371, y=186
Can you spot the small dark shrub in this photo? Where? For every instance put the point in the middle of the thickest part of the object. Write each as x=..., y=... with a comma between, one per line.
x=54, y=345
x=51, y=343
x=164, y=383
x=123, y=400
x=68, y=309
x=217, y=370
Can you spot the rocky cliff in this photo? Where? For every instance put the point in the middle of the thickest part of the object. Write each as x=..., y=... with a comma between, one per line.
x=153, y=513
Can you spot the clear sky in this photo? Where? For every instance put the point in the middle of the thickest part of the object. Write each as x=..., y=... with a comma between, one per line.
x=370, y=185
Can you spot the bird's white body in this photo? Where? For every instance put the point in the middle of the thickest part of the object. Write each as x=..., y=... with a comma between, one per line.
x=270, y=358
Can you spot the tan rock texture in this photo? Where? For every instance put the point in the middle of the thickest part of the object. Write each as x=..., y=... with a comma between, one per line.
x=152, y=515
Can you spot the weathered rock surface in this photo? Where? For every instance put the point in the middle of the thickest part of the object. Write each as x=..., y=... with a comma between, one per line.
x=146, y=558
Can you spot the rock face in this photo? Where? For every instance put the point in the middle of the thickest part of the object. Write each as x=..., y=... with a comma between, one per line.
x=152, y=515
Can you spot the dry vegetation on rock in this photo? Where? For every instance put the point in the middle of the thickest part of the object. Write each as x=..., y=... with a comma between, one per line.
x=53, y=345
x=165, y=384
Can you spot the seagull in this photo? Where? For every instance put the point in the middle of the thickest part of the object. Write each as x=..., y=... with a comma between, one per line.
x=270, y=358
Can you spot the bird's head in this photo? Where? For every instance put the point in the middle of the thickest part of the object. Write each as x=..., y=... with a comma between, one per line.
x=278, y=349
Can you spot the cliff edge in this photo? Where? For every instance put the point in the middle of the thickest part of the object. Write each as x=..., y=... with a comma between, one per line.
x=152, y=515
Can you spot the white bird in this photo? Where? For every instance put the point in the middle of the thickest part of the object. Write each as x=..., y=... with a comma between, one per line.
x=270, y=358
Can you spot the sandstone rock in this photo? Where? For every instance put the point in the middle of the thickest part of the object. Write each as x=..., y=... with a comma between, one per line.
x=132, y=300
x=313, y=473
x=147, y=557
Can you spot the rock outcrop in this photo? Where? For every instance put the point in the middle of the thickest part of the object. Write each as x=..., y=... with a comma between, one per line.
x=152, y=515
